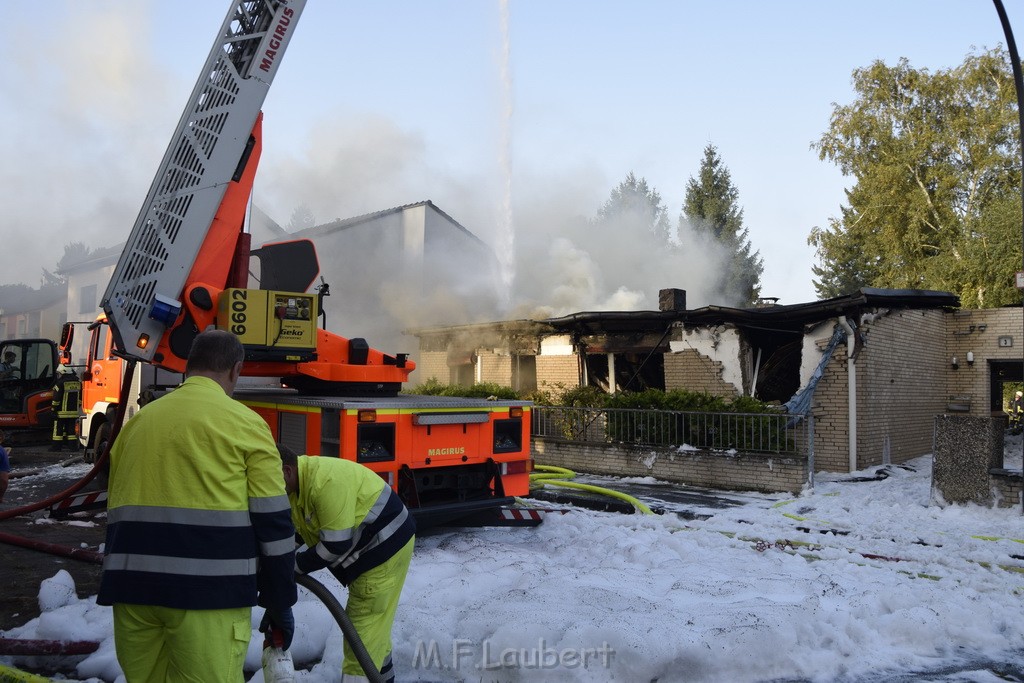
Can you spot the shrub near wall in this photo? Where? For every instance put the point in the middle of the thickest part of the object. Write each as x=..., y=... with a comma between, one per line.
x=699, y=420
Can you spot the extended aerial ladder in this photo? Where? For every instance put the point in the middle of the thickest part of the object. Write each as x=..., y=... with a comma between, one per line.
x=186, y=263
x=185, y=267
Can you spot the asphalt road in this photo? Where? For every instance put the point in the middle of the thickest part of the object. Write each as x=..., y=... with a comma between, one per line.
x=37, y=475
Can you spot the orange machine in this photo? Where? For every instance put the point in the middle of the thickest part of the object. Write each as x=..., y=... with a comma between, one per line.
x=26, y=383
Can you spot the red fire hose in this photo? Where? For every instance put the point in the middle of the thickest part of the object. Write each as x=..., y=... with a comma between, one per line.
x=62, y=550
x=13, y=646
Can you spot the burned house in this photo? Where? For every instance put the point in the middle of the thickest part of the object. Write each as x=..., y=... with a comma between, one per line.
x=872, y=367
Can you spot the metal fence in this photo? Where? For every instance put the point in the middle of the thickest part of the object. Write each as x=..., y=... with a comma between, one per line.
x=748, y=432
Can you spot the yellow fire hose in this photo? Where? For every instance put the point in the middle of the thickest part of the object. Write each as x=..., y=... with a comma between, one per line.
x=9, y=675
x=545, y=475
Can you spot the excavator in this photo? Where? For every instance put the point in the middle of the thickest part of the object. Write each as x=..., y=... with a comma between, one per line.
x=186, y=267
x=27, y=375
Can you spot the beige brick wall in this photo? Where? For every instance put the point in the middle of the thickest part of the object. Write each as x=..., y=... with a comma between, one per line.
x=900, y=389
x=693, y=371
x=900, y=386
x=831, y=423
x=1007, y=488
x=495, y=368
x=738, y=472
x=433, y=365
x=964, y=334
x=553, y=371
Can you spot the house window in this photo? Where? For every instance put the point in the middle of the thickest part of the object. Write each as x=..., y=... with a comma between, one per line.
x=463, y=375
x=524, y=373
x=461, y=367
x=34, y=323
x=87, y=299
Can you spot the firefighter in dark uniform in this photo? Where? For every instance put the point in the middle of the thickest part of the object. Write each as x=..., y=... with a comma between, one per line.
x=67, y=393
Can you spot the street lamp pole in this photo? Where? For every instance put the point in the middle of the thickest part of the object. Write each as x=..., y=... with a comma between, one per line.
x=1018, y=85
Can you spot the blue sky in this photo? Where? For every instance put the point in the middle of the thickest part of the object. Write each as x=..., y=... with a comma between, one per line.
x=391, y=102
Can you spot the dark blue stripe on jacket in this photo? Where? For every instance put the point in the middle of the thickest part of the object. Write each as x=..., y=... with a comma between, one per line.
x=191, y=566
x=370, y=557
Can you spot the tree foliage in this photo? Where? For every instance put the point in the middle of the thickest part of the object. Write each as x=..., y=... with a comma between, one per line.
x=712, y=207
x=635, y=205
x=934, y=159
x=74, y=253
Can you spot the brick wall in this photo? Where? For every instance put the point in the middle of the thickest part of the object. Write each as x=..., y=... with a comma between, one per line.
x=693, y=371
x=900, y=386
x=738, y=472
x=831, y=421
x=433, y=364
x=964, y=334
x=495, y=368
x=553, y=371
x=900, y=382
x=1007, y=487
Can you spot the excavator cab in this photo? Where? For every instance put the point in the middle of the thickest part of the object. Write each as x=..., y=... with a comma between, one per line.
x=28, y=369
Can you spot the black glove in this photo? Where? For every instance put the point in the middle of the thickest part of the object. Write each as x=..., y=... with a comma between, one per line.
x=278, y=625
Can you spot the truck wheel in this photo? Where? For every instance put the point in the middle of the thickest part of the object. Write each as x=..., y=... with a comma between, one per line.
x=99, y=443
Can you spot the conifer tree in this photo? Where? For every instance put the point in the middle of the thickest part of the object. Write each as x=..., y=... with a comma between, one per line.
x=711, y=207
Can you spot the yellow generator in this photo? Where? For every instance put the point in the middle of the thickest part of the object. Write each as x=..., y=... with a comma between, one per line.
x=272, y=325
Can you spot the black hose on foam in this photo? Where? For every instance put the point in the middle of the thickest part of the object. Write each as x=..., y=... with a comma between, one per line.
x=347, y=627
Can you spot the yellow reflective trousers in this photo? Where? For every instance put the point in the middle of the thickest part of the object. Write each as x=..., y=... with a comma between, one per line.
x=168, y=645
x=372, y=602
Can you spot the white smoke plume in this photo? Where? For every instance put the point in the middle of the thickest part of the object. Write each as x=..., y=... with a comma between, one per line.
x=91, y=131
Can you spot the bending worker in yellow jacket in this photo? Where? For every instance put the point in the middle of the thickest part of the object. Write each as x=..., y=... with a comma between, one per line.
x=356, y=526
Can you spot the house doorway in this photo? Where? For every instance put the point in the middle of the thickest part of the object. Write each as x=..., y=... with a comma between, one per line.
x=1005, y=378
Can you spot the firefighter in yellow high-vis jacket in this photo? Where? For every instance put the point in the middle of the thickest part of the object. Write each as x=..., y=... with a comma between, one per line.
x=67, y=396
x=198, y=528
x=354, y=525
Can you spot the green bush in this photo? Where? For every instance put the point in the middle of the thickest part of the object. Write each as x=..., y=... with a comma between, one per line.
x=432, y=387
x=539, y=397
x=583, y=397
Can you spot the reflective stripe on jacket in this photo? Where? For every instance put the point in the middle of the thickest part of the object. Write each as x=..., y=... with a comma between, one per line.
x=66, y=393
x=348, y=516
x=196, y=507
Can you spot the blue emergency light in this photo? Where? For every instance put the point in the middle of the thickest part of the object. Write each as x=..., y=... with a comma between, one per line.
x=165, y=310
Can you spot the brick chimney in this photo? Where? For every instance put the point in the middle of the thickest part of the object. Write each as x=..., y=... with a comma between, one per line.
x=672, y=300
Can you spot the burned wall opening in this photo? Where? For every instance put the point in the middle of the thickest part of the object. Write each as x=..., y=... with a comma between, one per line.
x=773, y=367
x=633, y=371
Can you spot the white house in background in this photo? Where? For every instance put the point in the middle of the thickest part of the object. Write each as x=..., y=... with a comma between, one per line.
x=402, y=268
x=26, y=313
x=388, y=271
